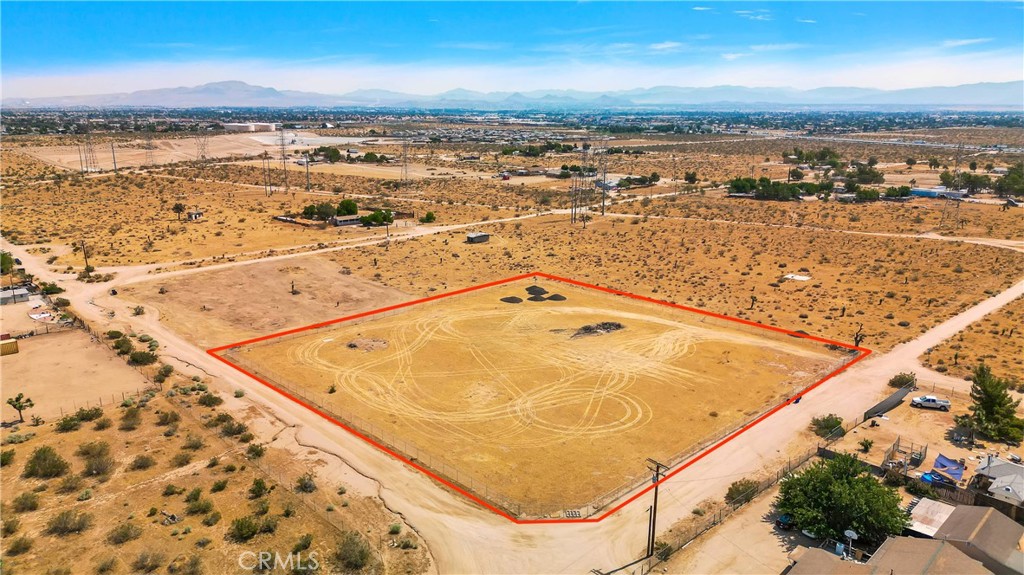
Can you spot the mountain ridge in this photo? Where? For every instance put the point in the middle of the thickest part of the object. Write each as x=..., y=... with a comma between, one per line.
x=238, y=94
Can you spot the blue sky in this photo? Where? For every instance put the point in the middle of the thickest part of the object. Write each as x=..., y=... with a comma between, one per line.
x=51, y=48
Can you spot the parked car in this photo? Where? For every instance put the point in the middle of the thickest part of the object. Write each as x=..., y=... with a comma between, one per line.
x=931, y=402
x=785, y=522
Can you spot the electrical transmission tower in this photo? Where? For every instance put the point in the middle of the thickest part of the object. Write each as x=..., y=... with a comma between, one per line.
x=148, y=145
x=89, y=154
x=201, y=140
x=582, y=190
x=284, y=159
x=602, y=169
x=268, y=186
x=405, y=160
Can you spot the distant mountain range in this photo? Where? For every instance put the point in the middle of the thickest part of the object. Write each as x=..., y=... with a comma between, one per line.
x=1004, y=95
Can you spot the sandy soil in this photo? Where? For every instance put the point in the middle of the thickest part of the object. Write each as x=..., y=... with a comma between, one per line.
x=126, y=494
x=502, y=391
x=15, y=319
x=222, y=306
x=64, y=371
x=997, y=340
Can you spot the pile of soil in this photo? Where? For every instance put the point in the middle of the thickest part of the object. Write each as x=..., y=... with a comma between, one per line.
x=599, y=328
x=363, y=344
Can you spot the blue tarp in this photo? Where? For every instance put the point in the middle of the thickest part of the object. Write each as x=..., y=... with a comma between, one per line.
x=949, y=467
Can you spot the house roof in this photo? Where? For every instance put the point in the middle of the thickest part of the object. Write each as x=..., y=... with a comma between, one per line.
x=928, y=515
x=1007, y=478
x=988, y=530
x=898, y=555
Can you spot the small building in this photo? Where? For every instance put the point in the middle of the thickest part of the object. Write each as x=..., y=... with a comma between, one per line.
x=898, y=555
x=928, y=515
x=8, y=346
x=13, y=295
x=1003, y=480
x=477, y=237
x=344, y=220
x=985, y=535
x=938, y=192
x=194, y=215
x=1000, y=171
x=251, y=127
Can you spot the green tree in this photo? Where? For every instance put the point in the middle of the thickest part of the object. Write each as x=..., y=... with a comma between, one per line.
x=20, y=403
x=690, y=177
x=1012, y=184
x=973, y=166
x=309, y=212
x=911, y=162
x=796, y=175
x=325, y=211
x=872, y=161
x=178, y=208
x=428, y=218
x=947, y=179
x=994, y=413
x=834, y=495
x=933, y=163
x=348, y=208
x=6, y=262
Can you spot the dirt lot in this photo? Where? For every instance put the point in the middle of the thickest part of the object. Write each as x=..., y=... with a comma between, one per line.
x=241, y=302
x=64, y=371
x=188, y=457
x=429, y=376
x=997, y=340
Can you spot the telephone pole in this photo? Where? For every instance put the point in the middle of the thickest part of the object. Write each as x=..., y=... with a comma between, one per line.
x=113, y=156
x=658, y=471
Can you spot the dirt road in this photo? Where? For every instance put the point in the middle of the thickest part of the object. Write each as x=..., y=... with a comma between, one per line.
x=464, y=538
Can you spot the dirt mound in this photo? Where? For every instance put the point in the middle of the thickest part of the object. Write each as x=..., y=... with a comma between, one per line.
x=363, y=344
x=599, y=328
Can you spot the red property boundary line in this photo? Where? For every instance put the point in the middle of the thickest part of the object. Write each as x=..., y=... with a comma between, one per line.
x=862, y=353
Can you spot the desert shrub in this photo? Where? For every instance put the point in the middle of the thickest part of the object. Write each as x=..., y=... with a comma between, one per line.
x=16, y=438
x=239, y=393
x=70, y=484
x=191, y=566
x=167, y=417
x=171, y=490
x=305, y=484
x=919, y=488
x=407, y=543
x=255, y=451
x=166, y=370
x=99, y=466
x=193, y=495
x=243, y=529
x=124, y=346
x=394, y=529
x=258, y=489
x=147, y=562
x=85, y=495
x=865, y=444
x=353, y=552
x=741, y=492
x=131, y=419
x=219, y=486
x=181, y=459
x=826, y=425
x=124, y=533
x=211, y=519
x=89, y=414
x=25, y=502
x=67, y=424
x=261, y=507
x=11, y=525
x=6, y=457
x=141, y=462
x=114, y=334
x=303, y=543
x=20, y=545
x=106, y=566
x=203, y=541
x=145, y=338
x=102, y=424
x=209, y=400
x=68, y=522
x=199, y=507
x=93, y=449
x=45, y=463
x=901, y=380
x=268, y=525
x=233, y=428
x=142, y=358
x=193, y=443
x=246, y=437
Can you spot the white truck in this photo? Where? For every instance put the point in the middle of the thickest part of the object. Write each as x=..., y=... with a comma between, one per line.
x=930, y=401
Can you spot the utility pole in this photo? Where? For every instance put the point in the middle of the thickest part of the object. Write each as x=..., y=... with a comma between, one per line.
x=85, y=254
x=81, y=160
x=658, y=470
x=113, y=156
x=307, y=173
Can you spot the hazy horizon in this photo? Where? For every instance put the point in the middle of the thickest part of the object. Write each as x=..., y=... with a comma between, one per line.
x=428, y=48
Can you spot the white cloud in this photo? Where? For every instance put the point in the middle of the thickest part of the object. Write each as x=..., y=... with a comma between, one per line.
x=964, y=42
x=734, y=56
x=806, y=21
x=667, y=46
x=481, y=46
x=702, y=8
x=776, y=47
x=759, y=15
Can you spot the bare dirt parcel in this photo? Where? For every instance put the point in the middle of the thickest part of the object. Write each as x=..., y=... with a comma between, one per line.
x=538, y=395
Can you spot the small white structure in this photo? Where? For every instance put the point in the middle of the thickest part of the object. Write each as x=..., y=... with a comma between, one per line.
x=252, y=127
x=194, y=215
